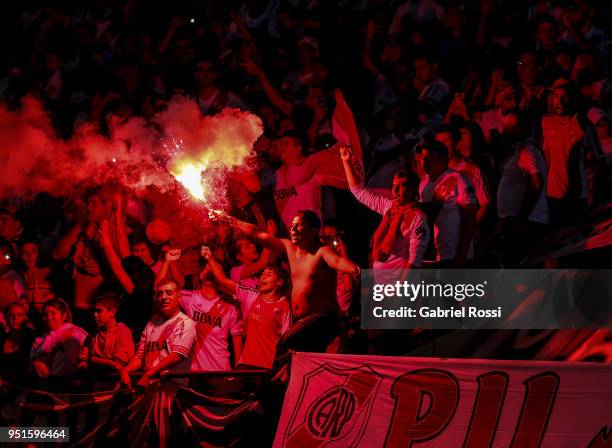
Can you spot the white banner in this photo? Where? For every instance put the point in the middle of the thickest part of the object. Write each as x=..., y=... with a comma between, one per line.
x=372, y=401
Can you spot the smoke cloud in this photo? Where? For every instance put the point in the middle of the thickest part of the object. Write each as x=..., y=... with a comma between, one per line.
x=136, y=155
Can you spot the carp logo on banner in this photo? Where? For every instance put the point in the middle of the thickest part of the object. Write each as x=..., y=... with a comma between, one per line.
x=338, y=414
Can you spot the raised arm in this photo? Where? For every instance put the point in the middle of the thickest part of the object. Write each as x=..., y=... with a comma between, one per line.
x=64, y=246
x=366, y=56
x=228, y=285
x=275, y=97
x=121, y=233
x=352, y=177
x=253, y=268
x=373, y=201
x=338, y=262
x=175, y=24
x=252, y=231
x=106, y=241
x=170, y=258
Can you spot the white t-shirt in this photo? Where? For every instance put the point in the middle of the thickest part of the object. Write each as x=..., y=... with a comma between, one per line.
x=216, y=320
x=411, y=244
x=451, y=189
x=163, y=337
x=526, y=160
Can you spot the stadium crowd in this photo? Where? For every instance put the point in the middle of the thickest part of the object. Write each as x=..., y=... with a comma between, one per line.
x=485, y=126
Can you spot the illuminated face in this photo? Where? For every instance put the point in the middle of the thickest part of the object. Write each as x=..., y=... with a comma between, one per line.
x=269, y=281
x=247, y=251
x=560, y=101
x=16, y=317
x=433, y=162
x=301, y=231
x=97, y=211
x=399, y=191
x=208, y=287
x=205, y=74
x=142, y=251
x=167, y=297
x=185, y=51
x=424, y=71
x=103, y=316
x=508, y=103
x=546, y=34
x=328, y=232
x=511, y=125
x=53, y=318
x=29, y=255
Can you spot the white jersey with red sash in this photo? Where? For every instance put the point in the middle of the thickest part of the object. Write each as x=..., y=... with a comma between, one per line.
x=216, y=320
x=162, y=337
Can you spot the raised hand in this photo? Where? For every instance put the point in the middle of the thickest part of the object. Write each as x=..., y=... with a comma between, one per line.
x=205, y=252
x=346, y=153
x=271, y=227
x=172, y=255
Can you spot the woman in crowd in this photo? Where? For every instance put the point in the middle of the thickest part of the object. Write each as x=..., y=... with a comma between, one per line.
x=56, y=352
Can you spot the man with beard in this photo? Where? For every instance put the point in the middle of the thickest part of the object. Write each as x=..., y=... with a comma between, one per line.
x=314, y=305
x=564, y=147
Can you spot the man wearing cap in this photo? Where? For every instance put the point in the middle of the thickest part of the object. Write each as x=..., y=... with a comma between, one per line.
x=450, y=202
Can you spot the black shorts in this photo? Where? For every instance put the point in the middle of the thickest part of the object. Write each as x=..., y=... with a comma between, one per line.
x=312, y=333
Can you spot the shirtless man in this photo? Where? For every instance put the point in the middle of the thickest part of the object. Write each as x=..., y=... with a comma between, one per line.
x=314, y=305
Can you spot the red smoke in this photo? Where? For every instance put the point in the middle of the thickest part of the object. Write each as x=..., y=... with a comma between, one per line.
x=34, y=159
